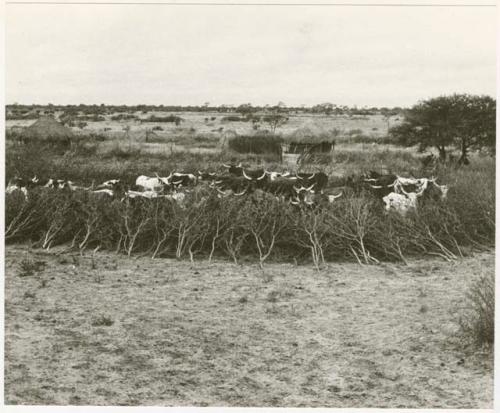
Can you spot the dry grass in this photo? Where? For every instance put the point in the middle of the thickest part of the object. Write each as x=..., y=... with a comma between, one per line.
x=226, y=335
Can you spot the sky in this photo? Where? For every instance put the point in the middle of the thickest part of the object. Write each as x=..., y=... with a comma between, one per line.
x=302, y=55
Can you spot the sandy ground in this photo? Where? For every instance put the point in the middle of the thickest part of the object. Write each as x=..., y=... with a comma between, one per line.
x=227, y=335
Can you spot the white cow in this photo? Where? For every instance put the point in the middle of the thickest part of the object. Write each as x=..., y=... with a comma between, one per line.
x=402, y=203
x=155, y=184
x=274, y=175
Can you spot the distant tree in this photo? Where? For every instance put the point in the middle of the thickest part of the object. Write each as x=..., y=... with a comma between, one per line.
x=464, y=121
x=246, y=109
x=275, y=120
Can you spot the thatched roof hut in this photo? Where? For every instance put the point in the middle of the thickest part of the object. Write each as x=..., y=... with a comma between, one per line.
x=309, y=139
x=48, y=129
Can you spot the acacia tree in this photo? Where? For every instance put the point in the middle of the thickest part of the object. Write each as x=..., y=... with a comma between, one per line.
x=476, y=126
x=464, y=121
x=277, y=117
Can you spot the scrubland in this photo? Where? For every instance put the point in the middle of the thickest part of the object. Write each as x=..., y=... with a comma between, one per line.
x=349, y=307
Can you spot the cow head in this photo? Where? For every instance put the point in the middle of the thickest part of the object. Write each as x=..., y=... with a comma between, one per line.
x=236, y=170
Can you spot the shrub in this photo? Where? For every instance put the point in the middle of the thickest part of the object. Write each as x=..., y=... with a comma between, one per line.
x=478, y=322
x=166, y=119
x=256, y=144
x=102, y=320
x=234, y=118
x=28, y=268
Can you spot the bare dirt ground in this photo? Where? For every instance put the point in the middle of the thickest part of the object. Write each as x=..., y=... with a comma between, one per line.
x=124, y=331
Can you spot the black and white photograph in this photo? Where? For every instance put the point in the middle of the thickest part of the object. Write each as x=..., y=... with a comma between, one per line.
x=253, y=204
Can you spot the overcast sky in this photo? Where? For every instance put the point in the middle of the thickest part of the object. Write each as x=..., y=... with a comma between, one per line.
x=129, y=54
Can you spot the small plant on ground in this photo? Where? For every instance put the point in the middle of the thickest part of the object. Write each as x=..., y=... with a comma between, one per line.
x=478, y=322
x=102, y=320
x=28, y=267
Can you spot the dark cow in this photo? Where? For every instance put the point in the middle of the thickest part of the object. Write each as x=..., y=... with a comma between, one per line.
x=250, y=174
x=207, y=176
x=288, y=189
x=236, y=184
x=236, y=170
x=380, y=185
x=318, y=179
x=181, y=179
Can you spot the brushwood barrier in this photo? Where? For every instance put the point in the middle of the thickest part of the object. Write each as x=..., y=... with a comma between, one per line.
x=257, y=226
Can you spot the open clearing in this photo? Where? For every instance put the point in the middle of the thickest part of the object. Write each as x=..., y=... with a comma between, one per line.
x=225, y=335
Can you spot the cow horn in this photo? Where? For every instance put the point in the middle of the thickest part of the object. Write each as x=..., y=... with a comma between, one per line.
x=262, y=177
x=376, y=186
x=239, y=165
x=310, y=188
x=296, y=189
x=339, y=195
x=199, y=172
x=241, y=193
x=246, y=176
x=226, y=166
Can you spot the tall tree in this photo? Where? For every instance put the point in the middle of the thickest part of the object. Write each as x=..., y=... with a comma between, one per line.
x=464, y=121
x=476, y=123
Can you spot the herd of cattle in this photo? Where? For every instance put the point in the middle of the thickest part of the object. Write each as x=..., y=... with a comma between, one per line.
x=397, y=193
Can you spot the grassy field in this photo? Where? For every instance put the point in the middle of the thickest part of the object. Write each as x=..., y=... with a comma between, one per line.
x=370, y=125
x=109, y=330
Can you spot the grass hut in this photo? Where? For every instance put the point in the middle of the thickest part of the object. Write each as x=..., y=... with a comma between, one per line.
x=48, y=130
x=309, y=143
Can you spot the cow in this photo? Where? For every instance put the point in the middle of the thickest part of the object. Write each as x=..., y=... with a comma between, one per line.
x=275, y=175
x=113, y=188
x=177, y=179
x=310, y=198
x=155, y=184
x=403, y=202
x=318, y=179
x=207, y=176
x=380, y=185
x=237, y=184
x=429, y=187
x=282, y=187
x=21, y=184
x=257, y=175
x=435, y=191
x=236, y=170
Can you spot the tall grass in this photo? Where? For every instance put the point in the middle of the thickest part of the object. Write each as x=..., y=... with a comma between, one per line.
x=478, y=322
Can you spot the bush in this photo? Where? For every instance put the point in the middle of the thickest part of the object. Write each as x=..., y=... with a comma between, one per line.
x=256, y=144
x=256, y=226
x=234, y=118
x=166, y=119
x=28, y=267
x=478, y=322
